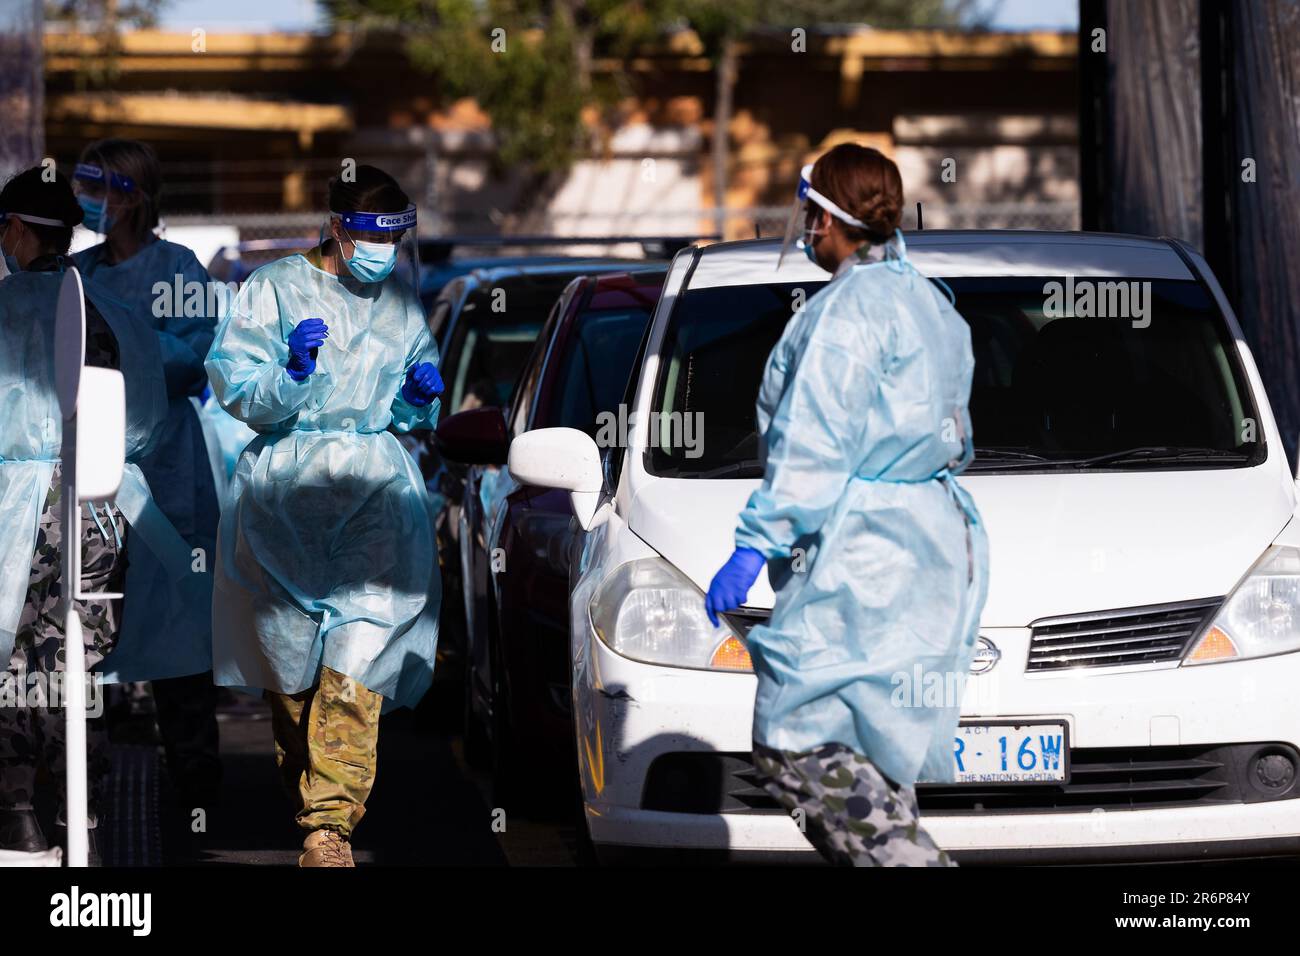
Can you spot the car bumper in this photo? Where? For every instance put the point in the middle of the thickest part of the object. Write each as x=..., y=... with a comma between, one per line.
x=1165, y=835
x=629, y=714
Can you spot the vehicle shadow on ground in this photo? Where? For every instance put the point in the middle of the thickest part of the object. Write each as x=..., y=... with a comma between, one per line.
x=422, y=811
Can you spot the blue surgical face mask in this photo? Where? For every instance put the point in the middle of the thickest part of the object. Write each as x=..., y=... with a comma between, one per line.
x=96, y=219
x=372, y=261
x=11, y=260
x=806, y=243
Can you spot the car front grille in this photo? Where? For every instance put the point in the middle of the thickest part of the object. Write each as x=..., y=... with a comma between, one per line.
x=1129, y=778
x=1111, y=779
x=1139, y=635
x=1119, y=778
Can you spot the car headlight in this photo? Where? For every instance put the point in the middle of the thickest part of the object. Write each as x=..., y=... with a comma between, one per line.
x=649, y=611
x=1261, y=616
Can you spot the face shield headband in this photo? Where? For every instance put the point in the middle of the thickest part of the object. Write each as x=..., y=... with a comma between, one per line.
x=39, y=220
x=89, y=173
x=377, y=221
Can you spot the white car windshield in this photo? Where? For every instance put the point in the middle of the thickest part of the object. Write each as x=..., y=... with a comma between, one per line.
x=1050, y=390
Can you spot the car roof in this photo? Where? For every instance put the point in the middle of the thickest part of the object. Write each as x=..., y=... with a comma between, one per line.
x=958, y=254
x=570, y=267
x=532, y=289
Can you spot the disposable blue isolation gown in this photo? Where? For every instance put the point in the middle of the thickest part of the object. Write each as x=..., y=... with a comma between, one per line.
x=863, y=413
x=326, y=551
x=31, y=428
x=166, y=633
x=227, y=438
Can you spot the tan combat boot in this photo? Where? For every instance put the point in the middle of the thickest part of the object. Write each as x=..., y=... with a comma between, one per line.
x=325, y=848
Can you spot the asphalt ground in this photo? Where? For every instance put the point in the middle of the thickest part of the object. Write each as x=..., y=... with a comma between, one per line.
x=428, y=807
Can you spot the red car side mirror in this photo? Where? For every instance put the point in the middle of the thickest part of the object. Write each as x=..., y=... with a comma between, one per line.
x=474, y=437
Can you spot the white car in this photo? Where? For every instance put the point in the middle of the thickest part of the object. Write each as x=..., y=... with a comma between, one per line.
x=1134, y=694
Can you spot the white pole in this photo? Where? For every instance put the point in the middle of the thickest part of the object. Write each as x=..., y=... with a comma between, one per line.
x=74, y=650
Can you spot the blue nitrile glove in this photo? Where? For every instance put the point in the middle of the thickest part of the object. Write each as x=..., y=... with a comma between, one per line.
x=423, y=384
x=730, y=586
x=307, y=336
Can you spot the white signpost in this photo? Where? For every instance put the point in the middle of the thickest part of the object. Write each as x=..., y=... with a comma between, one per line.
x=93, y=405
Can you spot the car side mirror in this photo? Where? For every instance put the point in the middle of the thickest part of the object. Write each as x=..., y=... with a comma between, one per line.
x=474, y=437
x=563, y=458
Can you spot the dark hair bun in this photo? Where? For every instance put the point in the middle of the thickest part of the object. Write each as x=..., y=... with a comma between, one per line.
x=881, y=213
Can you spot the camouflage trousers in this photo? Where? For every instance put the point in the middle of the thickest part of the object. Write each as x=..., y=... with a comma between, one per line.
x=847, y=808
x=32, y=720
x=326, y=746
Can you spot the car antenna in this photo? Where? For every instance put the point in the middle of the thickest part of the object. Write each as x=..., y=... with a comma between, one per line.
x=919, y=226
x=758, y=230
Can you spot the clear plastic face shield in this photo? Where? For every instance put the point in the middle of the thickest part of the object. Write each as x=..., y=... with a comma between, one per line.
x=95, y=189
x=370, y=245
x=801, y=229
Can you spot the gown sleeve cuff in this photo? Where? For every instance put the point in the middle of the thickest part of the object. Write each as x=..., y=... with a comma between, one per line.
x=747, y=537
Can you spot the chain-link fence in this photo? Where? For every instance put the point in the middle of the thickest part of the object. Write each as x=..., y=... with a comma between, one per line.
x=734, y=223
x=232, y=245
x=1042, y=216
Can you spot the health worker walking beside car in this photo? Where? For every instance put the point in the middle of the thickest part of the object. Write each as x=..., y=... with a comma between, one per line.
x=863, y=414
x=327, y=589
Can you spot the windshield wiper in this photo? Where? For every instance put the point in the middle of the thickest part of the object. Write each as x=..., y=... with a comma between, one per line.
x=1008, y=459
x=1004, y=459
x=1152, y=453
x=1007, y=454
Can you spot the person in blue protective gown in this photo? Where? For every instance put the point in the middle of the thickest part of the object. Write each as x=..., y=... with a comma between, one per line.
x=37, y=214
x=327, y=589
x=166, y=625
x=863, y=415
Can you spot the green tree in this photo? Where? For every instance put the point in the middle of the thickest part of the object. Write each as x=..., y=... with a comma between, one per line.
x=528, y=63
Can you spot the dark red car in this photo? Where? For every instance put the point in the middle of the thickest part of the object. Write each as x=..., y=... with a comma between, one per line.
x=515, y=540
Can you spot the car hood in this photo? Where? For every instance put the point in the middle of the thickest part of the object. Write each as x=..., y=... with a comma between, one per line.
x=1058, y=544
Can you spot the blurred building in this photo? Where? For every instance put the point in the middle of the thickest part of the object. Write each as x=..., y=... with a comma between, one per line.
x=21, y=88
x=250, y=127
